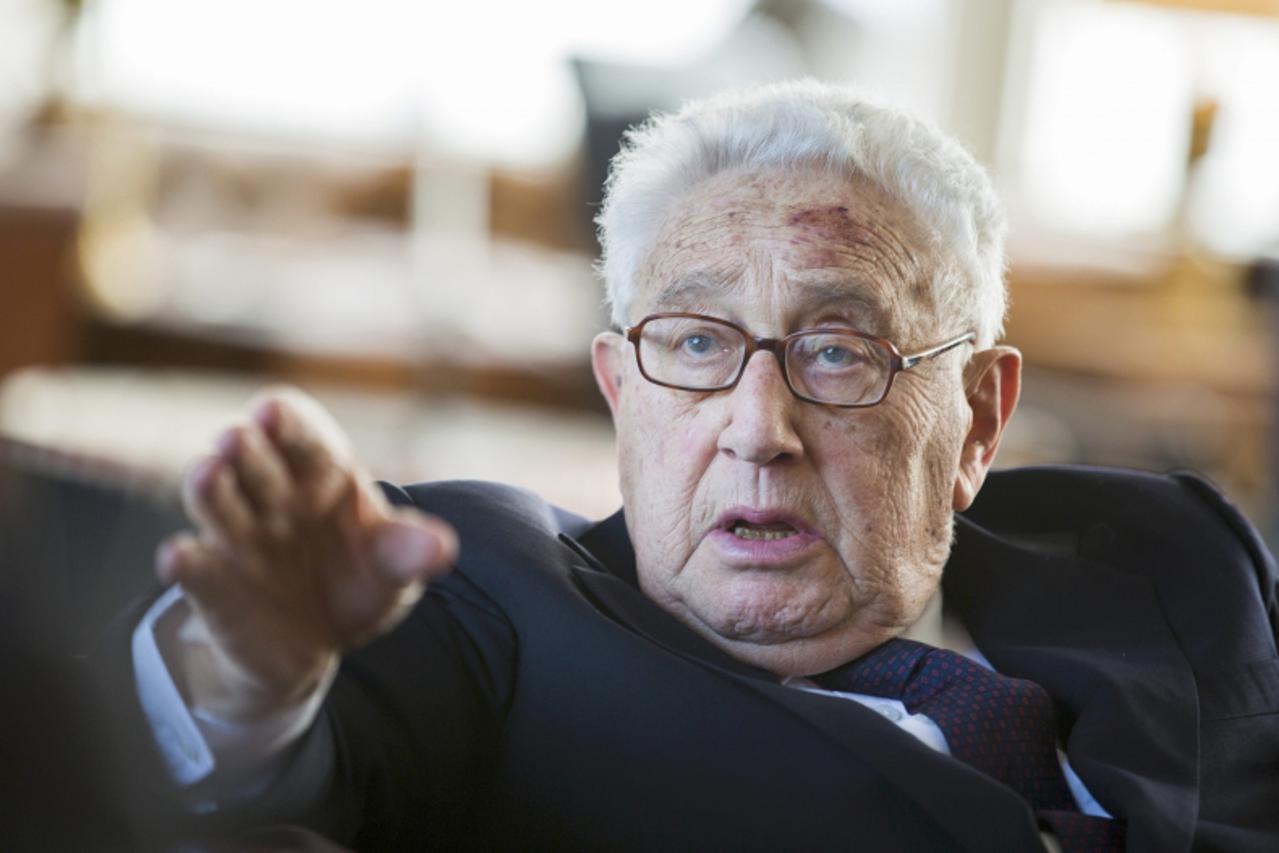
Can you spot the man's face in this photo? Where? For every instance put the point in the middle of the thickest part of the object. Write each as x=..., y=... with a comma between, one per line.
x=794, y=535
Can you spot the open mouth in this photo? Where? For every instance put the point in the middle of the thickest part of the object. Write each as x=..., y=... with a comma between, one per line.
x=743, y=529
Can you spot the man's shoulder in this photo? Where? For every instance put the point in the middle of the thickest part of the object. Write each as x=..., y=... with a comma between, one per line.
x=1110, y=506
x=518, y=550
x=500, y=508
x=1205, y=560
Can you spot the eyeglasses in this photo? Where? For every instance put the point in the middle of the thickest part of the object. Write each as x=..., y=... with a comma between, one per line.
x=833, y=367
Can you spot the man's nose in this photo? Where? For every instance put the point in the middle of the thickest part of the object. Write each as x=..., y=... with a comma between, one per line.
x=761, y=409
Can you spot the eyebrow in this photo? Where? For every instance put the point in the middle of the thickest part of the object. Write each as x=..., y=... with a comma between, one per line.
x=818, y=294
x=692, y=289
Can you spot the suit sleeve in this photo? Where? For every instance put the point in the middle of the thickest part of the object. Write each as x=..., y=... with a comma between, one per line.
x=408, y=732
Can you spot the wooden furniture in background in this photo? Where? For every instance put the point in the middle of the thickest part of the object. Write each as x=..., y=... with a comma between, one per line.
x=1152, y=361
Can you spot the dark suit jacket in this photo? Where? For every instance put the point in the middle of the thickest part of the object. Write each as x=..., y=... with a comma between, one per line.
x=537, y=700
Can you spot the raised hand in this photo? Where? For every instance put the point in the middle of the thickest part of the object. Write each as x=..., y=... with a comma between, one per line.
x=298, y=558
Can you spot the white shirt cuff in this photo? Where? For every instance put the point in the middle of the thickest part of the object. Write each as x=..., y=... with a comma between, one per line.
x=194, y=742
x=183, y=747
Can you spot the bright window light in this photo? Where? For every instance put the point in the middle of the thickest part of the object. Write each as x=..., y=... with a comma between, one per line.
x=1236, y=198
x=1106, y=129
x=485, y=77
x=1107, y=119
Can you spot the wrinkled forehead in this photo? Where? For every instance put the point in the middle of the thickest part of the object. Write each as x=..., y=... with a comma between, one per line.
x=803, y=293
x=792, y=249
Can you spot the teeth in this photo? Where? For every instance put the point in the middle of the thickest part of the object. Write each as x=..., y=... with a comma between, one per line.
x=744, y=531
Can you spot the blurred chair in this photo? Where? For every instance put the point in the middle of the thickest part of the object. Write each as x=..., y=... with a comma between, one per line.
x=77, y=537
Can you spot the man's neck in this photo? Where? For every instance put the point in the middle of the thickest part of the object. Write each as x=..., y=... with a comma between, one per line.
x=940, y=628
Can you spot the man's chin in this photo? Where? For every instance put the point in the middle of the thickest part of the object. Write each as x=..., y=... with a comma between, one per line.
x=764, y=618
x=786, y=636
x=787, y=654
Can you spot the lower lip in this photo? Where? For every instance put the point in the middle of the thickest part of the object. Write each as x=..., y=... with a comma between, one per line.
x=763, y=552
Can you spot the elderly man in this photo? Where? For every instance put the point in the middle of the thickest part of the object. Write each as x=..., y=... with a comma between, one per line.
x=788, y=638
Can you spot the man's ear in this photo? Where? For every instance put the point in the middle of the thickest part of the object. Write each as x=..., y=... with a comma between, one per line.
x=606, y=362
x=992, y=382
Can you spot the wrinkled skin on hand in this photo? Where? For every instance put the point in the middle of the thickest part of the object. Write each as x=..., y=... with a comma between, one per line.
x=297, y=557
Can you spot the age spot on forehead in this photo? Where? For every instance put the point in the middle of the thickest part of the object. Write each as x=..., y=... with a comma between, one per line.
x=835, y=225
x=834, y=230
x=832, y=233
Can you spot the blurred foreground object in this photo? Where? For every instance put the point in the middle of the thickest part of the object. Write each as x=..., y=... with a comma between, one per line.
x=73, y=550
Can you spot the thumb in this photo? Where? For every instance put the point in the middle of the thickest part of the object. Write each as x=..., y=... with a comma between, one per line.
x=409, y=547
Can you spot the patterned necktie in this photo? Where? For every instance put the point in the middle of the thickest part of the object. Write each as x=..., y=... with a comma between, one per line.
x=1005, y=727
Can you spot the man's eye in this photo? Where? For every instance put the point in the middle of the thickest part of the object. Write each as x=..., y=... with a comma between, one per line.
x=698, y=344
x=833, y=356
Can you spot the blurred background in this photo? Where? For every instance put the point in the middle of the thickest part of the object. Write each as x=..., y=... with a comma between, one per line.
x=388, y=203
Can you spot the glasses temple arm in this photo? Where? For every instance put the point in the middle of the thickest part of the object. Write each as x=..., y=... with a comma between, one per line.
x=909, y=361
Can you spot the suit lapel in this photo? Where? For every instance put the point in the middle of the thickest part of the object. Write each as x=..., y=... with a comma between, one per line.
x=947, y=790
x=1097, y=640
x=978, y=812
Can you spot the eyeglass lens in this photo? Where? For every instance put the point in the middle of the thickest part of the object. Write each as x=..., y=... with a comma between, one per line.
x=837, y=368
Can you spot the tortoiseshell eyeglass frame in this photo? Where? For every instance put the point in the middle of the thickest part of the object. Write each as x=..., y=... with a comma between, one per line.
x=897, y=362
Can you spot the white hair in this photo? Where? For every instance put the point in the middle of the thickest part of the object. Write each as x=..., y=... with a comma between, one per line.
x=807, y=125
